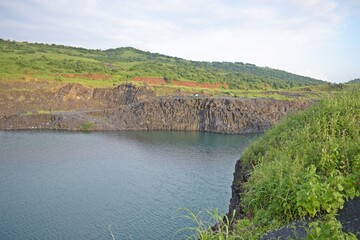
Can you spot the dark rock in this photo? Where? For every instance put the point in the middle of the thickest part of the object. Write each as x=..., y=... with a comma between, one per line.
x=128, y=107
x=220, y=115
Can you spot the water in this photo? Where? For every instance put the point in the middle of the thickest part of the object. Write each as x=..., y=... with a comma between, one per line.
x=65, y=185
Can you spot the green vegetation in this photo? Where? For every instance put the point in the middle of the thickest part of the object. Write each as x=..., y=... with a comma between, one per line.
x=21, y=60
x=203, y=228
x=306, y=166
x=87, y=126
x=328, y=228
x=356, y=80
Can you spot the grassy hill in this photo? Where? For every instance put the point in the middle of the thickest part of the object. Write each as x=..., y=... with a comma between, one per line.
x=21, y=60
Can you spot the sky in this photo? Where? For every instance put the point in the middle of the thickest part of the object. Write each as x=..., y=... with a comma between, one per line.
x=316, y=38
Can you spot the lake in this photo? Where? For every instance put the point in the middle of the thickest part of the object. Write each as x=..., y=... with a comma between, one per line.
x=74, y=185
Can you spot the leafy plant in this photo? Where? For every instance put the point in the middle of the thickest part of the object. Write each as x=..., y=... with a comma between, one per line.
x=307, y=164
x=328, y=228
x=318, y=193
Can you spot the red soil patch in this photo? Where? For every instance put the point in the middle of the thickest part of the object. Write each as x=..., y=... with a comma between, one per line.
x=89, y=76
x=161, y=81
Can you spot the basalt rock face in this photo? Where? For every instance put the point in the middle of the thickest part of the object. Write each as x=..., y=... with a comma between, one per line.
x=241, y=176
x=122, y=95
x=220, y=115
x=128, y=107
x=78, y=97
x=39, y=96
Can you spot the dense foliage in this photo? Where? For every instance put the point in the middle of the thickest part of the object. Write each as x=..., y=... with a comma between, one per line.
x=123, y=64
x=356, y=80
x=308, y=165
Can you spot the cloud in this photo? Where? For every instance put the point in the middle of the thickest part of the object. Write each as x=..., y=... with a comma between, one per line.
x=293, y=35
x=169, y=19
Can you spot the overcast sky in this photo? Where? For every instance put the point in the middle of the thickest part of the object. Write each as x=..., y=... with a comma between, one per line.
x=316, y=38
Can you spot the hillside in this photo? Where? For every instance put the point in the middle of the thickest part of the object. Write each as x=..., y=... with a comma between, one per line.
x=22, y=60
x=356, y=80
x=307, y=166
x=320, y=146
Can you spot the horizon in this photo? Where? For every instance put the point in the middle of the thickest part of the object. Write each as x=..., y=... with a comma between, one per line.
x=314, y=38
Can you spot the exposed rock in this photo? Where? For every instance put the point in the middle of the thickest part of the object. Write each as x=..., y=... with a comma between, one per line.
x=122, y=95
x=220, y=115
x=241, y=176
x=27, y=97
x=127, y=107
x=78, y=97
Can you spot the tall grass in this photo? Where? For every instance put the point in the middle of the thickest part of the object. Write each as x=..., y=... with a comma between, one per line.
x=209, y=225
x=308, y=165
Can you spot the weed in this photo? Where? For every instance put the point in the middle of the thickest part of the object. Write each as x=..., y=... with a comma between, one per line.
x=307, y=165
x=209, y=225
x=87, y=126
x=328, y=228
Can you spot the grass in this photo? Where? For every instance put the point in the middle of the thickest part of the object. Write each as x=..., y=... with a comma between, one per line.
x=23, y=61
x=45, y=62
x=328, y=159
x=306, y=166
x=46, y=112
x=315, y=92
x=328, y=228
x=210, y=224
x=87, y=126
x=84, y=82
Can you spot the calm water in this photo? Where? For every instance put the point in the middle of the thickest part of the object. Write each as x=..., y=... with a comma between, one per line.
x=64, y=185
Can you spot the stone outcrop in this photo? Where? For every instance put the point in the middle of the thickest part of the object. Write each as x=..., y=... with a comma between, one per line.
x=220, y=115
x=34, y=96
x=128, y=107
x=76, y=96
x=241, y=175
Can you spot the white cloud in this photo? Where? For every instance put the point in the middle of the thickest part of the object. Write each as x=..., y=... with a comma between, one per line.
x=294, y=35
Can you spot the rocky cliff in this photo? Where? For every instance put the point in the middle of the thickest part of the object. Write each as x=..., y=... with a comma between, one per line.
x=20, y=98
x=127, y=107
x=241, y=176
x=220, y=115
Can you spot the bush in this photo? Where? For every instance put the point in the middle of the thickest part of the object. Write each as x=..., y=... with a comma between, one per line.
x=328, y=228
x=307, y=164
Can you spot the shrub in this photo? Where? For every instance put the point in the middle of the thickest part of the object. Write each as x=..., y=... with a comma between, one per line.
x=328, y=228
x=307, y=164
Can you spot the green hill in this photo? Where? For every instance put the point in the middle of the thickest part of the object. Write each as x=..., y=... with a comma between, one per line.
x=356, y=80
x=55, y=62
